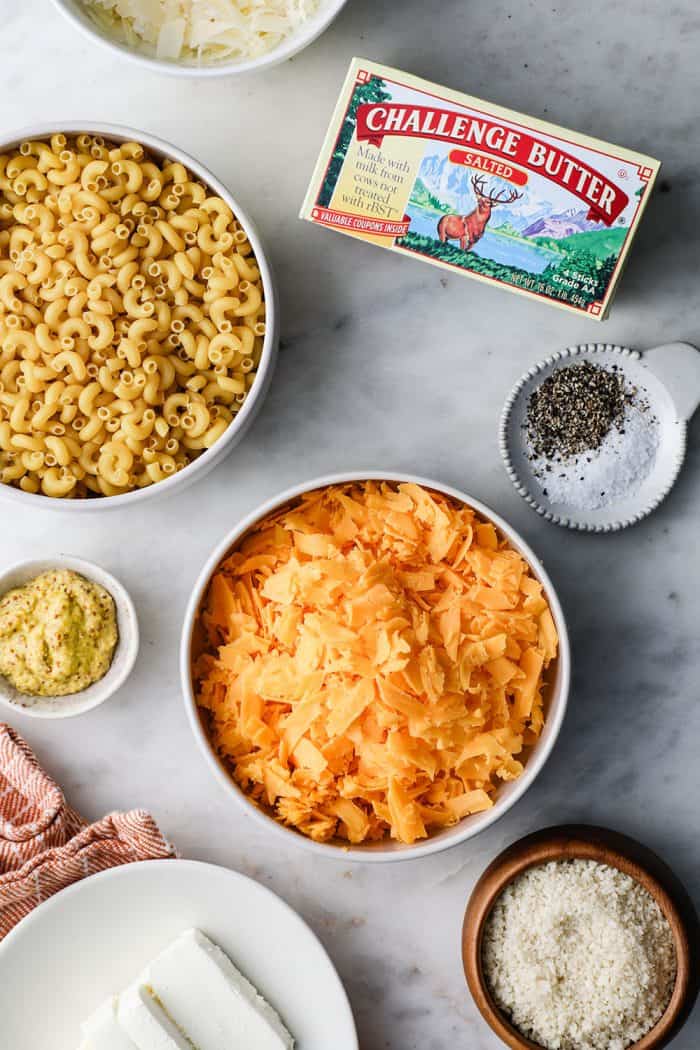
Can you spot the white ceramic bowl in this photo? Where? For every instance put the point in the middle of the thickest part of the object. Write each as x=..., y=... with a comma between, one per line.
x=243, y=419
x=124, y=655
x=384, y=851
x=667, y=378
x=327, y=12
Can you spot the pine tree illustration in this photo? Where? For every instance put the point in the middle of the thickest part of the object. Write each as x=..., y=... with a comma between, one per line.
x=373, y=91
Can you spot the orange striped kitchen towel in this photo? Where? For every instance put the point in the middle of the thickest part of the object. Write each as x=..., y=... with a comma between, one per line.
x=45, y=845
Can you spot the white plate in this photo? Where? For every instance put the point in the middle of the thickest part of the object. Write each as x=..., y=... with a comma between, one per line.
x=93, y=938
x=669, y=378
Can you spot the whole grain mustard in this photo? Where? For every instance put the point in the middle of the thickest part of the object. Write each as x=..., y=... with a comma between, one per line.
x=58, y=634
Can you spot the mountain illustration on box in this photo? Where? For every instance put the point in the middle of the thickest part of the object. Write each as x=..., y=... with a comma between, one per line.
x=565, y=224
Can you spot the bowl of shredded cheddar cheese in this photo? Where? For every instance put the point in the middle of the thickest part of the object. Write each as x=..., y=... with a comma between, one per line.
x=375, y=663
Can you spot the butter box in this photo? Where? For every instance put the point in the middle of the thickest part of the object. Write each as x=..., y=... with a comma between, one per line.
x=475, y=188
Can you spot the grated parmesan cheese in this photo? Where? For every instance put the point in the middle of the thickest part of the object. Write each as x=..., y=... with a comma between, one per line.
x=207, y=31
x=579, y=956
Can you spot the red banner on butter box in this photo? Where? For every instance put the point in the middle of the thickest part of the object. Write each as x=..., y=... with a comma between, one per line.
x=604, y=199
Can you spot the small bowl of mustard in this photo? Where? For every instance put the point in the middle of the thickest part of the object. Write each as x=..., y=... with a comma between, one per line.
x=68, y=636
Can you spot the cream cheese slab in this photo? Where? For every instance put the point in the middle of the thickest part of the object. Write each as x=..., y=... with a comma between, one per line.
x=478, y=189
x=211, y=1000
x=102, y=1031
x=146, y=1022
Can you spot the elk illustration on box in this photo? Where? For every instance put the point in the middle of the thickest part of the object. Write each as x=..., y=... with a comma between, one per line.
x=468, y=229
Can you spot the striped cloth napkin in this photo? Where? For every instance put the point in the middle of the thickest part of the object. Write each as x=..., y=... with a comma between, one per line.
x=45, y=845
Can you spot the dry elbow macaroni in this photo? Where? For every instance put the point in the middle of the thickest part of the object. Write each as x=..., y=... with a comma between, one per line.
x=132, y=317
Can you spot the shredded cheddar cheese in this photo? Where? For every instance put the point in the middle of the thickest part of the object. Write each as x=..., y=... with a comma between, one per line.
x=374, y=662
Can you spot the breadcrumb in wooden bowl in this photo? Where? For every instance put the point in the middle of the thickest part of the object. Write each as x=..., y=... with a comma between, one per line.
x=636, y=896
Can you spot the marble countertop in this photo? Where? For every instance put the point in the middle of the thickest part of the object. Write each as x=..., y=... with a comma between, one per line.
x=386, y=363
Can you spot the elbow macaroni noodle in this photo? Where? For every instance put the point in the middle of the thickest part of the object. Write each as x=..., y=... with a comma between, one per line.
x=132, y=317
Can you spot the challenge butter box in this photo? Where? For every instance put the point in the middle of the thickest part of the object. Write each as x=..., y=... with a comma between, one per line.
x=472, y=187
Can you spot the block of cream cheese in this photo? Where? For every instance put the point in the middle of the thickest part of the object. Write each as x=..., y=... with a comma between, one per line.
x=146, y=1022
x=210, y=1000
x=479, y=190
x=102, y=1030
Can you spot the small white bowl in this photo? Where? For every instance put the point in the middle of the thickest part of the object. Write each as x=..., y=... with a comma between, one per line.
x=667, y=378
x=308, y=31
x=124, y=654
x=508, y=794
x=201, y=466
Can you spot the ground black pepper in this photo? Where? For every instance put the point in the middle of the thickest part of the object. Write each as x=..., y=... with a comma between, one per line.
x=574, y=409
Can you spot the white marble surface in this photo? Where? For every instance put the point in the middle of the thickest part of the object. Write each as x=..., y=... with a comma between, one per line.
x=387, y=363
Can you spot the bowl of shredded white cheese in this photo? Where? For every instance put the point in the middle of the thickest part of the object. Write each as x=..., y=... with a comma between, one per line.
x=203, y=37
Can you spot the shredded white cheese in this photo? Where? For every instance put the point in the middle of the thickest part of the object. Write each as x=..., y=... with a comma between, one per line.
x=579, y=956
x=207, y=31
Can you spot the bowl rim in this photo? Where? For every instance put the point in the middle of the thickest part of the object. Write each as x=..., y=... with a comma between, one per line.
x=211, y=456
x=569, y=842
x=292, y=45
x=430, y=845
x=113, y=679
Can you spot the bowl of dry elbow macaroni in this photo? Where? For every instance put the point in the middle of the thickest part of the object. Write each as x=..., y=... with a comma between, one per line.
x=137, y=318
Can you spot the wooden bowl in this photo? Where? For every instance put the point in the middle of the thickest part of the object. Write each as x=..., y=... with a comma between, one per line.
x=606, y=847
